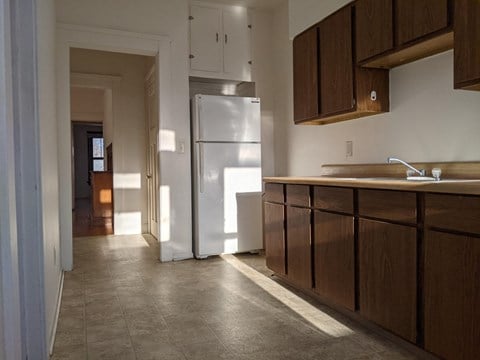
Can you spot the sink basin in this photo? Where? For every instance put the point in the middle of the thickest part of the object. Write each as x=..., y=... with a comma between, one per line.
x=420, y=178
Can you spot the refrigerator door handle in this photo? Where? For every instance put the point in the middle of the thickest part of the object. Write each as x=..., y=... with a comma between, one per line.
x=200, y=167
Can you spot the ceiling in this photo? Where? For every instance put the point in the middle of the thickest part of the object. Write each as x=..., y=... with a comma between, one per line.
x=256, y=4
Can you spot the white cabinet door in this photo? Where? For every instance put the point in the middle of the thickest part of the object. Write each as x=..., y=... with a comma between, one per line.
x=236, y=43
x=206, y=39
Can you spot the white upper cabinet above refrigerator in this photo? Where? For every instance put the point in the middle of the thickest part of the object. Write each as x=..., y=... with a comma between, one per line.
x=219, y=42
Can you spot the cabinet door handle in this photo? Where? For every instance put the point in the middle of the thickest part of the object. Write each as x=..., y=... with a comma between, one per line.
x=217, y=37
x=226, y=38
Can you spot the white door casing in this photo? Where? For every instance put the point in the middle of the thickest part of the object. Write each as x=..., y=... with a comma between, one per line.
x=107, y=40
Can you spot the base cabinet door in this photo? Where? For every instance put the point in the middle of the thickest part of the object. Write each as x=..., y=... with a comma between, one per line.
x=299, y=264
x=452, y=295
x=334, y=258
x=274, y=235
x=388, y=276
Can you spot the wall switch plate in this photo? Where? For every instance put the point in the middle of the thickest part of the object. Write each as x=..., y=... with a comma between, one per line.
x=181, y=147
x=349, y=149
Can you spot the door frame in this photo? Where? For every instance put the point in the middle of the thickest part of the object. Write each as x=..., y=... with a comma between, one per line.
x=94, y=38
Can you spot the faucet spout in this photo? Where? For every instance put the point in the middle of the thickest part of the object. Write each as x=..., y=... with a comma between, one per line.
x=420, y=172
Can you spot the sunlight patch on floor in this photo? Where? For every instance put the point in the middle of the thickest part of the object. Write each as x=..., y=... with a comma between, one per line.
x=318, y=318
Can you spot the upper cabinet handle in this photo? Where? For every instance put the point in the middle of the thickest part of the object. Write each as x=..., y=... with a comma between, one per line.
x=226, y=38
x=217, y=36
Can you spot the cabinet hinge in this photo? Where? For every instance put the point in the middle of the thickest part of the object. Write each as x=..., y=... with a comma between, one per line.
x=249, y=26
x=250, y=62
x=191, y=17
x=191, y=56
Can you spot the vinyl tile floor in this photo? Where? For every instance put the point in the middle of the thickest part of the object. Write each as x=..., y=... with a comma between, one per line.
x=120, y=302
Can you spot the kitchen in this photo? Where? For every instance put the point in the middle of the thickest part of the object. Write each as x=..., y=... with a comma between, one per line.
x=428, y=121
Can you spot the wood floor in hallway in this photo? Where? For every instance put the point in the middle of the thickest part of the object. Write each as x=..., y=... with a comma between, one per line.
x=120, y=302
x=84, y=225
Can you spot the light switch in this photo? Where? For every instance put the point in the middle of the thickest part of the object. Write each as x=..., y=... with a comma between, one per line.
x=349, y=149
x=181, y=147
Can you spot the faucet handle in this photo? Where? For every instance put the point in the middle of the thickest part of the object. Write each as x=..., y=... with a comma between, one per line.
x=436, y=172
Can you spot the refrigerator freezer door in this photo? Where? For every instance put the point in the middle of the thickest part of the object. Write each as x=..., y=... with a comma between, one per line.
x=222, y=171
x=226, y=119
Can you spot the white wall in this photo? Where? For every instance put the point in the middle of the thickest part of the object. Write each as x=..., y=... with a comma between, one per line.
x=87, y=104
x=262, y=75
x=48, y=156
x=305, y=13
x=428, y=120
x=129, y=137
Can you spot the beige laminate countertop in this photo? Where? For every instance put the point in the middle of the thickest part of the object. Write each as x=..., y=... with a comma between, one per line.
x=468, y=187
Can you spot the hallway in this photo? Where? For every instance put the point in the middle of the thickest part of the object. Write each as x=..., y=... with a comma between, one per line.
x=121, y=303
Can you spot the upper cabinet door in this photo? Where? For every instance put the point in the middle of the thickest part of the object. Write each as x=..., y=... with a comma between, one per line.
x=417, y=18
x=336, y=63
x=305, y=75
x=236, y=42
x=467, y=44
x=205, y=39
x=374, y=27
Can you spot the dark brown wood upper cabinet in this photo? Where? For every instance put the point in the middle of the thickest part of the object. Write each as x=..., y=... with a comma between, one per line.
x=467, y=44
x=418, y=18
x=305, y=76
x=374, y=28
x=336, y=63
x=391, y=33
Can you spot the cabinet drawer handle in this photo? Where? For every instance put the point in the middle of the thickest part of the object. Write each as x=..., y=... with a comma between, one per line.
x=226, y=38
x=217, y=37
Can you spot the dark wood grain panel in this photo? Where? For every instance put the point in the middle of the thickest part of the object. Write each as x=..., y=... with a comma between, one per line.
x=336, y=63
x=417, y=18
x=305, y=75
x=274, y=237
x=374, y=28
x=274, y=193
x=452, y=295
x=335, y=258
x=388, y=276
x=398, y=206
x=368, y=80
x=299, y=262
x=467, y=44
x=333, y=198
x=453, y=212
x=298, y=195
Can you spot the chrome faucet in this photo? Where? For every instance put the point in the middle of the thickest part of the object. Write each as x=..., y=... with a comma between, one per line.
x=420, y=172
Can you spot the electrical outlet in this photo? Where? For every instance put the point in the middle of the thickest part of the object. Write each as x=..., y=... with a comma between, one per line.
x=349, y=149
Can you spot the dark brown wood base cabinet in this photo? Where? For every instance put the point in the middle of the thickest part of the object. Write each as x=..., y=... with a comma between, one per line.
x=388, y=276
x=274, y=236
x=299, y=264
x=334, y=258
x=452, y=295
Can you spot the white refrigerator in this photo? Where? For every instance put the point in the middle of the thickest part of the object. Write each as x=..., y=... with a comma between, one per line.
x=226, y=161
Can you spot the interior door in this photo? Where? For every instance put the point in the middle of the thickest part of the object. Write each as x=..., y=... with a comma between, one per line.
x=152, y=153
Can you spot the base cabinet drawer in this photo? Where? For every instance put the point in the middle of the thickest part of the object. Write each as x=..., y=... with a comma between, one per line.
x=452, y=295
x=388, y=276
x=274, y=236
x=334, y=258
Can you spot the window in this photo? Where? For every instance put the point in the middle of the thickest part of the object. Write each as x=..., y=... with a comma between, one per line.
x=98, y=163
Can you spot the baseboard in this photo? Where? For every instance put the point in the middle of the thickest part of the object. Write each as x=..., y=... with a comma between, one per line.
x=57, y=313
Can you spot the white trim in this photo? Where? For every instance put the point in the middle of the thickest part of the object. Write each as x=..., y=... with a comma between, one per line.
x=93, y=80
x=57, y=314
x=99, y=39
x=10, y=318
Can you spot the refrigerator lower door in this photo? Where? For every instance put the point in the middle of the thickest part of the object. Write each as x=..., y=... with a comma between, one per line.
x=222, y=171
